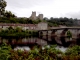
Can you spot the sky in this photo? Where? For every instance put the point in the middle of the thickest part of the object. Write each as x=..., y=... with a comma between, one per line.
x=49, y=8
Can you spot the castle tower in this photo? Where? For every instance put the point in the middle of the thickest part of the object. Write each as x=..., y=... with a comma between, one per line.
x=33, y=15
x=40, y=16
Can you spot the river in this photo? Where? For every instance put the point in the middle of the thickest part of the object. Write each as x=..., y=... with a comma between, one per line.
x=26, y=43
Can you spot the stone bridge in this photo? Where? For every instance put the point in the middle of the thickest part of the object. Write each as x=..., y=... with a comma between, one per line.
x=59, y=35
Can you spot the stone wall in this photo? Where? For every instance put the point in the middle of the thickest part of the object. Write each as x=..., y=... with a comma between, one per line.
x=42, y=26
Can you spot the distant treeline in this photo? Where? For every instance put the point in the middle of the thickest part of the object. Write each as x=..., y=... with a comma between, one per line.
x=18, y=20
x=62, y=21
x=51, y=22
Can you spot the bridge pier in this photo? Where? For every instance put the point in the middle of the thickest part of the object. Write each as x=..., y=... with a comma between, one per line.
x=53, y=35
x=63, y=38
x=40, y=34
x=78, y=39
x=46, y=35
x=43, y=35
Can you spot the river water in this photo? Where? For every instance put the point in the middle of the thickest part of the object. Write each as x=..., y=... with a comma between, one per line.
x=25, y=43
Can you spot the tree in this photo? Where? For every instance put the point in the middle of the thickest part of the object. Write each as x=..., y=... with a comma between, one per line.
x=45, y=18
x=69, y=34
x=2, y=7
x=5, y=51
x=9, y=14
x=18, y=29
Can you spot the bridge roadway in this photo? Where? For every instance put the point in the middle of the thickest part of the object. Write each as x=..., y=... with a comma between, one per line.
x=61, y=28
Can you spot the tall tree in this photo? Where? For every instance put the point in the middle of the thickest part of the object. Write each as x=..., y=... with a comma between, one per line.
x=9, y=14
x=3, y=4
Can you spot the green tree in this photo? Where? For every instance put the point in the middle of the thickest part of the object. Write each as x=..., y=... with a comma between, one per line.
x=69, y=34
x=2, y=7
x=5, y=51
x=9, y=14
x=75, y=50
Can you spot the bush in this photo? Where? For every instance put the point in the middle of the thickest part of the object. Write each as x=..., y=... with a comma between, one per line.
x=5, y=52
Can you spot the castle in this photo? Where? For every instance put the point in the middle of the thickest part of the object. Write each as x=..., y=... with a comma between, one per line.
x=34, y=17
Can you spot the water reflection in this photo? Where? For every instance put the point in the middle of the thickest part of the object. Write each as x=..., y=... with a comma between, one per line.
x=35, y=41
x=24, y=41
x=22, y=48
x=28, y=42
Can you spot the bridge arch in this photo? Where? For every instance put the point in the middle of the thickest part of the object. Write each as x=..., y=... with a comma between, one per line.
x=52, y=33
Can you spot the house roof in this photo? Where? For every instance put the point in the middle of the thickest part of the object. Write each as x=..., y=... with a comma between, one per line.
x=12, y=24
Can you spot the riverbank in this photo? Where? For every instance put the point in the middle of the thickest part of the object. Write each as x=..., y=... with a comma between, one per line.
x=18, y=32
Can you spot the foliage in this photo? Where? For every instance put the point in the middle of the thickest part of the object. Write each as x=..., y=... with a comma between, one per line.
x=48, y=53
x=5, y=52
x=69, y=34
x=17, y=32
x=9, y=14
x=72, y=53
x=61, y=21
x=75, y=50
x=36, y=54
x=2, y=6
x=11, y=18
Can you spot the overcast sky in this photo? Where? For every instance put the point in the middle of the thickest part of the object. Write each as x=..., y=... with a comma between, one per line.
x=50, y=8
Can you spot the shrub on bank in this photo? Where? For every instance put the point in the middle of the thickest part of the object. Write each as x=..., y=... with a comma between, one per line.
x=17, y=33
x=48, y=53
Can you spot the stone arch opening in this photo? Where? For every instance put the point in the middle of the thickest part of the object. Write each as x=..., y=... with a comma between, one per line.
x=53, y=35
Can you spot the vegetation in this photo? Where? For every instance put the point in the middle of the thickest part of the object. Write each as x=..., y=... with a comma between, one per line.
x=15, y=20
x=69, y=34
x=2, y=7
x=9, y=14
x=61, y=21
x=48, y=53
x=11, y=18
x=18, y=32
x=5, y=51
x=72, y=53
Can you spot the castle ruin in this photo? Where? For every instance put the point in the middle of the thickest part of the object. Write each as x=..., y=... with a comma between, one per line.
x=34, y=17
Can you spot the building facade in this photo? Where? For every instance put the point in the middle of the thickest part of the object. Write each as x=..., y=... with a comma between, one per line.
x=42, y=26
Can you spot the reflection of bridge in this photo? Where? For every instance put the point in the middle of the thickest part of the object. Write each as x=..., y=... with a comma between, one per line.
x=29, y=41
x=59, y=36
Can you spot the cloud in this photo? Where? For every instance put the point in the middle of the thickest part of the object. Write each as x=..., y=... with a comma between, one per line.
x=50, y=8
x=26, y=3
x=25, y=7
x=73, y=15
